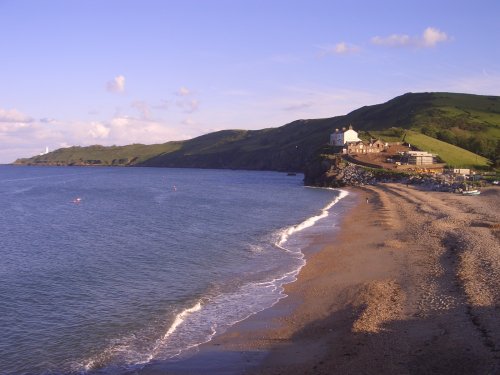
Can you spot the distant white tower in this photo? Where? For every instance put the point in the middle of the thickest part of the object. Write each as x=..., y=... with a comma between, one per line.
x=46, y=151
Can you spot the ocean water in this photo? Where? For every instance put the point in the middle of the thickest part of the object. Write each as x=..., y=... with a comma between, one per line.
x=103, y=270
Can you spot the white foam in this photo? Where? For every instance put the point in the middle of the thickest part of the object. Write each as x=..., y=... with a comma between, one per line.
x=199, y=323
x=286, y=233
x=235, y=304
x=125, y=350
x=179, y=319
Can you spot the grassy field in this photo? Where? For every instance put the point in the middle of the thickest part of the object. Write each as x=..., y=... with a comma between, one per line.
x=388, y=135
x=452, y=155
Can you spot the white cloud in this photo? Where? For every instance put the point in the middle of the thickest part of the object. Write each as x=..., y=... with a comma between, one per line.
x=120, y=122
x=392, y=40
x=183, y=91
x=13, y=127
x=98, y=131
x=120, y=130
x=116, y=85
x=433, y=36
x=341, y=48
x=126, y=130
x=13, y=115
x=429, y=38
x=29, y=139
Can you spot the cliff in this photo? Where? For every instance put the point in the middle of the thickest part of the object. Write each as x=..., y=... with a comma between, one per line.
x=333, y=171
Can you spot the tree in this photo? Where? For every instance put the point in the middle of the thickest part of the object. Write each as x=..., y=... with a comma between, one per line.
x=429, y=130
x=482, y=145
x=447, y=136
x=398, y=132
x=496, y=157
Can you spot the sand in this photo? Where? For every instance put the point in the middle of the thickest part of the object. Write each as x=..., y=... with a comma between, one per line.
x=410, y=285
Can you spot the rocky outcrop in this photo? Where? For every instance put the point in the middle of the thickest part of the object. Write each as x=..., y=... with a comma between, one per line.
x=333, y=171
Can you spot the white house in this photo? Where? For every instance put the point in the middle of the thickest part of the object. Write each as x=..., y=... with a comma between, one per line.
x=340, y=138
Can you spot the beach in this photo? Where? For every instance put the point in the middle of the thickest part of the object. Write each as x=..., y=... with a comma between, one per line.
x=409, y=285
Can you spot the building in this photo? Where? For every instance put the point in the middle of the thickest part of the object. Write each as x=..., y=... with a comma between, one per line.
x=351, y=144
x=362, y=147
x=460, y=171
x=340, y=138
x=420, y=158
x=376, y=145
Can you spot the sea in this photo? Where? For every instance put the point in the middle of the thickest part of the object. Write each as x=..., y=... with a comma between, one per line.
x=104, y=270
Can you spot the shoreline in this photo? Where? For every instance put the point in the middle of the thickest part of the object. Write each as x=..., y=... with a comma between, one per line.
x=191, y=359
x=399, y=289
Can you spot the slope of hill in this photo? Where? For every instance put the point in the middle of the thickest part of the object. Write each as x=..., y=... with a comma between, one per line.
x=101, y=155
x=452, y=155
x=469, y=121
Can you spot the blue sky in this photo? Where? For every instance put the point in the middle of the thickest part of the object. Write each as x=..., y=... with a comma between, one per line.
x=119, y=72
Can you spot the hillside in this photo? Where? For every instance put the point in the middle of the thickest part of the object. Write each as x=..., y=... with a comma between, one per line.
x=469, y=121
x=450, y=154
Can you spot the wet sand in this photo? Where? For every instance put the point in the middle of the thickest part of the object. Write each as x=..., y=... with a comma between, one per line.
x=410, y=285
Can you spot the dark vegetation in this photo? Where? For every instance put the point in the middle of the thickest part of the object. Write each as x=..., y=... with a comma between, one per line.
x=470, y=122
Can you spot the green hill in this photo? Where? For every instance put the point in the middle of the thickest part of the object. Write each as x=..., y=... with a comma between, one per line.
x=452, y=155
x=467, y=121
x=471, y=122
x=101, y=155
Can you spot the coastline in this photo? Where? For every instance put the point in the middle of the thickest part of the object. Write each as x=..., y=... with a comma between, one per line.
x=408, y=286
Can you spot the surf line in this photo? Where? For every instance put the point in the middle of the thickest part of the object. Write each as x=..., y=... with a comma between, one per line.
x=179, y=319
x=286, y=233
x=275, y=284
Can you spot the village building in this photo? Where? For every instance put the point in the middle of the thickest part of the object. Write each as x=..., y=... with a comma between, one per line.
x=363, y=147
x=459, y=171
x=420, y=158
x=340, y=138
x=348, y=142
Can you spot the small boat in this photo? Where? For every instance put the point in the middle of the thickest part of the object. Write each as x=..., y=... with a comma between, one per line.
x=471, y=192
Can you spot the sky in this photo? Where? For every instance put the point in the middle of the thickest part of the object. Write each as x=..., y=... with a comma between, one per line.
x=116, y=72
